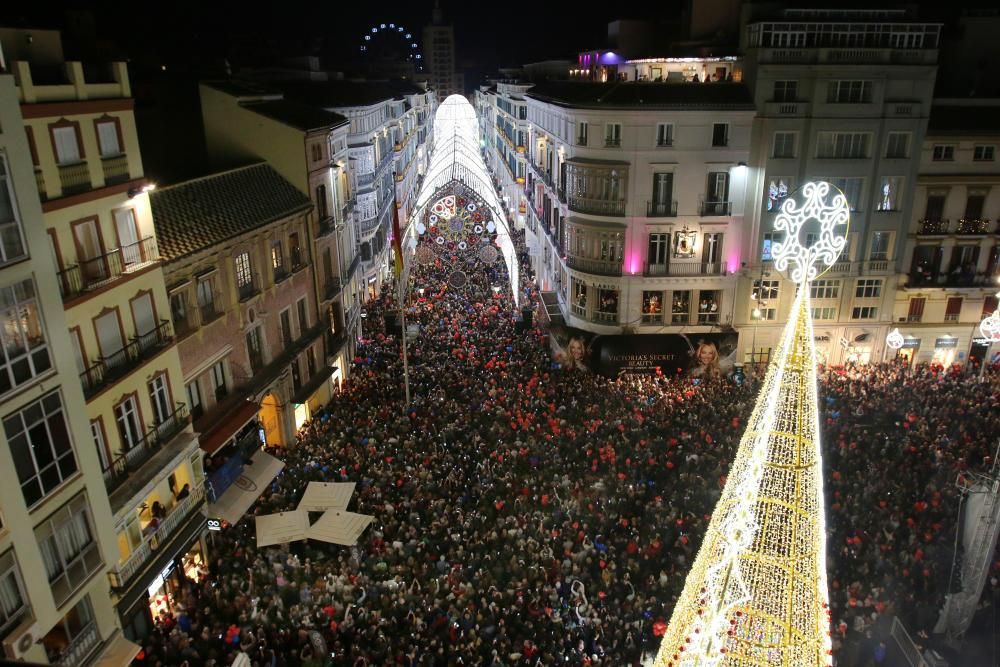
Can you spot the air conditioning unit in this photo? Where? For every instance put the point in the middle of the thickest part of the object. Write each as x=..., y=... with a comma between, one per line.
x=17, y=644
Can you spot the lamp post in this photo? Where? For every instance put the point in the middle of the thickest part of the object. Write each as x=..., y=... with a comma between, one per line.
x=755, y=315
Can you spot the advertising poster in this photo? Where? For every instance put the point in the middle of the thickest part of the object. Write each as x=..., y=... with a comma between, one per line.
x=695, y=355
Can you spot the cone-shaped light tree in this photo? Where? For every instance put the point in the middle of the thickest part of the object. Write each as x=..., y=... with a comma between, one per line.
x=757, y=592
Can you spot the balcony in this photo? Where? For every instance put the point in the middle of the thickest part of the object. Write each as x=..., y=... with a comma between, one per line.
x=793, y=108
x=878, y=266
x=115, y=169
x=612, y=142
x=711, y=207
x=598, y=267
x=661, y=209
x=656, y=269
x=40, y=184
x=840, y=267
x=123, y=573
x=949, y=279
x=685, y=269
x=110, y=369
x=210, y=311
x=280, y=273
x=933, y=227
x=972, y=226
x=249, y=289
x=298, y=259
x=325, y=227
x=332, y=287
x=74, y=178
x=99, y=271
x=83, y=645
x=596, y=206
x=605, y=317
x=130, y=461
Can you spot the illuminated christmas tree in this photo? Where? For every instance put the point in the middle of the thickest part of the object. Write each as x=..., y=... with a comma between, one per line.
x=757, y=592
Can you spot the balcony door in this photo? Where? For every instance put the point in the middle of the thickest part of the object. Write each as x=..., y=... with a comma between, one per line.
x=90, y=251
x=711, y=252
x=663, y=192
x=128, y=237
x=159, y=396
x=110, y=338
x=129, y=426
x=144, y=317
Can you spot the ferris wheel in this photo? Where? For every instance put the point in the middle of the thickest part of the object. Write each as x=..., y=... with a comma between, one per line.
x=385, y=36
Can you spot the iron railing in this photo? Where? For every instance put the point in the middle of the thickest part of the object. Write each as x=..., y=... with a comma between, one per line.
x=661, y=209
x=599, y=267
x=596, y=206
x=249, y=289
x=108, y=370
x=79, y=649
x=127, y=462
x=712, y=207
x=115, y=169
x=74, y=178
x=98, y=271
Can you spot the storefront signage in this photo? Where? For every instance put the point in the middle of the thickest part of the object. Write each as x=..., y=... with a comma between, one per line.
x=945, y=342
x=214, y=524
x=910, y=342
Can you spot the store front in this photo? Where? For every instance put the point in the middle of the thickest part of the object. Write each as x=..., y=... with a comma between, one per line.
x=945, y=351
x=910, y=349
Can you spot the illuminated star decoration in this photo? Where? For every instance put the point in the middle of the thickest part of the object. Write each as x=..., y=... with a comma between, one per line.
x=757, y=592
x=894, y=340
x=831, y=211
x=990, y=326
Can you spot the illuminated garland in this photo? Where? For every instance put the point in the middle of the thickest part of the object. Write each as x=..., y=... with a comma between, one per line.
x=757, y=592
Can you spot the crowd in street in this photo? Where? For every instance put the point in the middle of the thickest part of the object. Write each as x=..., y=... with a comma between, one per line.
x=527, y=514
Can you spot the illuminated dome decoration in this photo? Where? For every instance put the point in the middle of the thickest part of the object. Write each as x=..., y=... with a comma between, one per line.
x=457, y=207
x=757, y=593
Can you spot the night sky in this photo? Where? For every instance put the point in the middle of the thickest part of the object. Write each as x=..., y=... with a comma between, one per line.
x=191, y=35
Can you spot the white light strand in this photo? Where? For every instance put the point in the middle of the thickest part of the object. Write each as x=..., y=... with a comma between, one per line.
x=831, y=212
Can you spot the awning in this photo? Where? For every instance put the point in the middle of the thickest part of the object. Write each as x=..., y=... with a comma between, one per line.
x=282, y=527
x=118, y=652
x=321, y=496
x=339, y=527
x=238, y=498
x=228, y=426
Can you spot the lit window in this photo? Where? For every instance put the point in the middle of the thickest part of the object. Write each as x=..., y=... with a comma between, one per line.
x=25, y=352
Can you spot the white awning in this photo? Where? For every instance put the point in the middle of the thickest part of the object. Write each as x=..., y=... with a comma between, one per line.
x=282, y=527
x=247, y=488
x=118, y=652
x=322, y=496
x=338, y=527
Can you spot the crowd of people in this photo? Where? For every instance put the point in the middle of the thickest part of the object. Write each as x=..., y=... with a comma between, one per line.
x=530, y=514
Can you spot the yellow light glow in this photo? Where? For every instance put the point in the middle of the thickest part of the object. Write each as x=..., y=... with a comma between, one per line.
x=757, y=592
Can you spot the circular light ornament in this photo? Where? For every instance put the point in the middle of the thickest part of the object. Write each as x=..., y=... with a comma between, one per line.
x=433, y=219
x=490, y=227
x=818, y=210
x=478, y=229
x=894, y=340
x=439, y=240
x=990, y=327
x=421, y=228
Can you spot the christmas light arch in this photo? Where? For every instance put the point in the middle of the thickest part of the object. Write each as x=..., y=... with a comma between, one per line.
x=396, y=32
x=455, y=158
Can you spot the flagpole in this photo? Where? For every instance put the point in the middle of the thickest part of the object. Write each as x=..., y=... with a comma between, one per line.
x=402, y=315
x=401, y=283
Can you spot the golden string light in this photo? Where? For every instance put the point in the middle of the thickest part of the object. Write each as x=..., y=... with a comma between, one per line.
x=757, y=592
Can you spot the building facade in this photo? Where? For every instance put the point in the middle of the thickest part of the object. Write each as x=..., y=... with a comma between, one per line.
x=439, y=56
x=88, y=169
x=308, y=147
x=950, y=264
x=842, y=97
x=632, y=199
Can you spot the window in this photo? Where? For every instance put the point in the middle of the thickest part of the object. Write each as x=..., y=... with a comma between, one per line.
x=764, y=290
x=255, y=350
x=880, y=246
x=67, y=144
x=322, y=209
x=613, y=134
x=952, y=309
x=206, y=299
x=864, y=313
x=311, y=361
x=652, y=307
x=942, y=153
x=868, y=289
x=107, y=138
x=989, y=306
x=784, y=145
x=763, y=313
x=179, y=311
x=11, y=243
x=13, y=602
x=711, y=251
x=296, y=375
x=285, y=318
x=842, y=145
x=851, y=187
x=898, y=146
x=243, y=275
x=718, y=186
x=777, y=190
x=69, y=551
x=935, y=207
x=277, y=260
x=194, y=399
x=680, y=308
x=848, y=92
x=25, y=353
x=663, y=193
x=915, y=311
x=41, y=447
x=218, y=375
x=129, y=426
x=786, y=91
x=659, y=246
x=708, y=306
x=890, y=194
x=974, y=204
x=159, y=397
x=300, y=307
x=720, y=135
x=983, y=153
x=581, y=134
x=664, y=135
x=824, y=289
x=824, y=313
x=767, y=241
